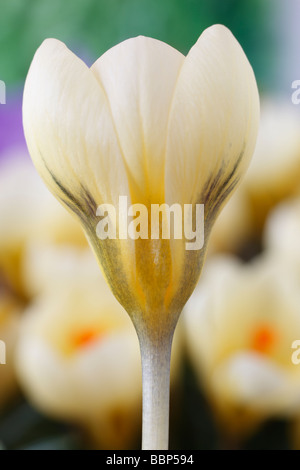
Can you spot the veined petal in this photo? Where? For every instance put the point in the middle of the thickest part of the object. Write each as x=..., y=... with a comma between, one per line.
x=69, y=130
x=130, y=126
x=213, y=122
x=71, y=138
x=211, y=136
x=139, y=76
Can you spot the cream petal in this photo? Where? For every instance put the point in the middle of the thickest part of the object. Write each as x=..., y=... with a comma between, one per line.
x=211, y=135
x=69, y=130
x=84, y=385
x=72, y=141
x=139, y=76
x=213, y=122
x=248, y=379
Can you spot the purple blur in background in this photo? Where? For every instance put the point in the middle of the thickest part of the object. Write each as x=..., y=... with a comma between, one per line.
x=11, y=129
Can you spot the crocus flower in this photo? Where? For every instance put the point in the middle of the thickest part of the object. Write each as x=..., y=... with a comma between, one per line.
x=28, y=214
x=273, y=176
x=241, y=323
x=282, y=232
x=78, y=354
x=78, y=360
x=275, y=168
x=154, y=127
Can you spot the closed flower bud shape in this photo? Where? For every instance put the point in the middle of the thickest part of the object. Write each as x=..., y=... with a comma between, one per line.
x=144, y=137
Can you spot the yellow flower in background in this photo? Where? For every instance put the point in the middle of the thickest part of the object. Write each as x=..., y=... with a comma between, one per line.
x=153, y=127
x=48, y=268
x=274, y=172
x=28, y=211
x=282, y=234
x=273, y=177
x=78, y=354
x=28, y=214
x=241, y=323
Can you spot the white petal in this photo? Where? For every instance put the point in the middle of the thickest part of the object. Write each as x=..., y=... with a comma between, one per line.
x=139, y=77
x=249, y=379
x=213, y=121
x=69, y=130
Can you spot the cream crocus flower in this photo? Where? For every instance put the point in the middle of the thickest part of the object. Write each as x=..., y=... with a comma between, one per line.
x=77, y=357
x=275, y=168
x=241, y=323
x=273, y=176
x=78, y=354
x=50, y=267
x=282, y=232
x=145, y=123
x=28, y=214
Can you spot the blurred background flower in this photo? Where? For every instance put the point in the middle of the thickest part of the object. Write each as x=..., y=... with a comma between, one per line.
x=69, y=344
x=241, y=322
x=78, y=356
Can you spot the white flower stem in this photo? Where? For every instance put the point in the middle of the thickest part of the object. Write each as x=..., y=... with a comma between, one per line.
x=156, y=357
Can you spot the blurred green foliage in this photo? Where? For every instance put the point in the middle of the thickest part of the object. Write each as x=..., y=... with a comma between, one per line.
x=90, y=27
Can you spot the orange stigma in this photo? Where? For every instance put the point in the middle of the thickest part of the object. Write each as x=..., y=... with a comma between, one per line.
x=85, y=338
x=263, y=339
